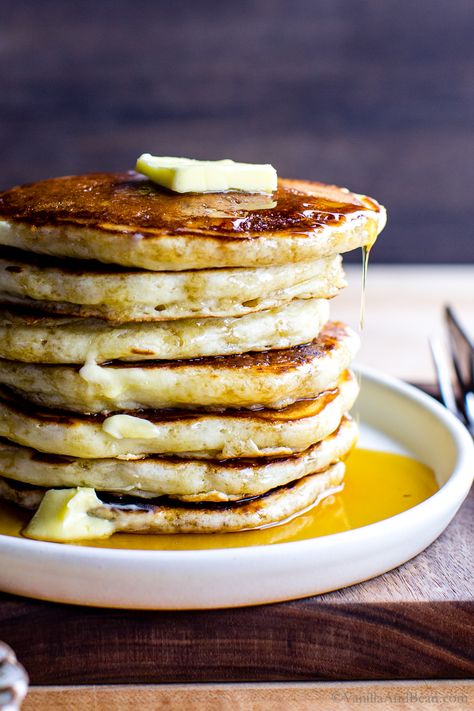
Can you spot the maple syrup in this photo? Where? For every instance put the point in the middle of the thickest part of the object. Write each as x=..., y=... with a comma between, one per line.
x=377, y=485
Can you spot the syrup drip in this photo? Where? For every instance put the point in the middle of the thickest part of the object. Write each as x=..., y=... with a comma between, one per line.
x=377, y=485
x=365, y=265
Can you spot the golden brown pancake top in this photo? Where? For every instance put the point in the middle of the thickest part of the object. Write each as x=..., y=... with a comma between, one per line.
x=129, y=202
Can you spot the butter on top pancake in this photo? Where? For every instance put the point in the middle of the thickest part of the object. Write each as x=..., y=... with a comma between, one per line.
x=224, y=435
x=91, y=289
x=186, y=479
x=28, y=335
x=124, y=218
x=170, y=516
x=252, y=380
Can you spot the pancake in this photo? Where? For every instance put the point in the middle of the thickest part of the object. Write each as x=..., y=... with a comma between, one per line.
x=223, y=435
x=252, y=380
x=310, y=289
x=189, y=480
x=166, y=516
x=31, y=336
x=89, y=289
x=124, y=218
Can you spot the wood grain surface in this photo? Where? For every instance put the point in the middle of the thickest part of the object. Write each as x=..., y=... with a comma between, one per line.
x=375, y=95
x=395, y=696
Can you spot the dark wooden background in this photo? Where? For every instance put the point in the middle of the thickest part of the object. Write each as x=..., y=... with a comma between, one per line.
x=374, y=94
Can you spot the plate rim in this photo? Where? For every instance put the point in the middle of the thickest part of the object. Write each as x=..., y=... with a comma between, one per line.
x=457, y=486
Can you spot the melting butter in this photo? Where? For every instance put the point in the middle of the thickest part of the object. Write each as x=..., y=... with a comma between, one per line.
x=93, y=373
x=129, y=427
x=186, y=175
x=66, y=515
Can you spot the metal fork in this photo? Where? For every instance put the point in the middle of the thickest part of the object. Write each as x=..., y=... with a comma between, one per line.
x=459, y=399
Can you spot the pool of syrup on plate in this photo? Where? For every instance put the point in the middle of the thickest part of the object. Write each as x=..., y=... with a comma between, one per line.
x=377, y=485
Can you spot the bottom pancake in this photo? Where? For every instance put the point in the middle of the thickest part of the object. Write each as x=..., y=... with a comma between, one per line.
x=190, y=480
x=165, y=516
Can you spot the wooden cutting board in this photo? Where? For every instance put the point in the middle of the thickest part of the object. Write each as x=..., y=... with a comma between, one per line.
x=416, y=622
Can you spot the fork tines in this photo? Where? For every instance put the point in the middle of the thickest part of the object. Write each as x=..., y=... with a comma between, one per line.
x=462, y=356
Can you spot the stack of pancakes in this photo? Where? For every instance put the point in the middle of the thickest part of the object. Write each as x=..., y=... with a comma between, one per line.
x=173, y=352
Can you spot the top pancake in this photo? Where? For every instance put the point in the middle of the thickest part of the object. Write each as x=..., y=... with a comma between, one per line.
x=124, y=218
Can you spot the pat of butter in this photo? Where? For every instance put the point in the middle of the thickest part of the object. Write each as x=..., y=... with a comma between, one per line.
x=129, y=427
x=185, y=175
x=93, y=373
x=64, y=515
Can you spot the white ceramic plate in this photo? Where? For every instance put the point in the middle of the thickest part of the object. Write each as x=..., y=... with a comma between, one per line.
x=393, y=416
